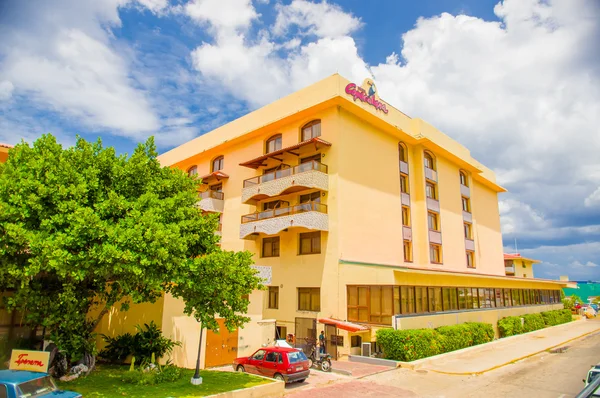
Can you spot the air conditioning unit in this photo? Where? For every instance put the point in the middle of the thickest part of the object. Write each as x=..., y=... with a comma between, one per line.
x=366, y=350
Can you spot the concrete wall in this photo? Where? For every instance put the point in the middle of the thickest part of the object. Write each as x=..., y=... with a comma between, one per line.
x=491, y=316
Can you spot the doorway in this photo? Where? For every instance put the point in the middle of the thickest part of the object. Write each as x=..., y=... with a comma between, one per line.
x=221, y=348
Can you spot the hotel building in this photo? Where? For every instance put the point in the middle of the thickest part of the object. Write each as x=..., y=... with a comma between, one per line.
x=359, y=217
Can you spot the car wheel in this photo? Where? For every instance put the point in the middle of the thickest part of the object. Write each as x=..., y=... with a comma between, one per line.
x=326, y=366
x=279, y=377
x=240, y=369
x=310, y=363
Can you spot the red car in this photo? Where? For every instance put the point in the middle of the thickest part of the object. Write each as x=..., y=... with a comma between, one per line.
x=281, y=363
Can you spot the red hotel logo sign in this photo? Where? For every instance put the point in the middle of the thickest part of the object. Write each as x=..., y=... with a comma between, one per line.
x=35, y=361
x=364, y=96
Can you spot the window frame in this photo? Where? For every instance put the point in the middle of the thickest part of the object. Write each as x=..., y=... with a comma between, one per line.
x=430, y=186
x=402, y=152
x=277, y=139
x=273, y=298
x=408, y=258
x=404, y=187
x=221, y=163
x=464, y=180
x=466, y=202
x=431, y=215
x=438, y=249
x=468, y=229
x=311, y=292
x=429, y=158
x=470, y=254
x=311, y=124
x=405, y=216
x=192, y=171
x=275, y=243
x=311, y=236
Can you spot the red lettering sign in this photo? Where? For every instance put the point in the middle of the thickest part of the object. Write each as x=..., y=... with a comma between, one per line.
x=22, y=360
x=360, y=94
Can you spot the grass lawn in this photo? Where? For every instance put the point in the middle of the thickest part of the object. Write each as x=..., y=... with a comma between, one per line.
x=106, y=382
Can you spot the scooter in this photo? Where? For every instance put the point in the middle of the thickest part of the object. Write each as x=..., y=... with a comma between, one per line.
x=322, y=361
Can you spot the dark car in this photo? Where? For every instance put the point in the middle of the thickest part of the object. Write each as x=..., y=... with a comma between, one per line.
x=23, y=384
x=280, y=363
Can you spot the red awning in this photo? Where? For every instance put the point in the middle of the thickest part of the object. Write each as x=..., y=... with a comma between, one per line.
x=348, y=326
x=257, y=162
x=219, y=175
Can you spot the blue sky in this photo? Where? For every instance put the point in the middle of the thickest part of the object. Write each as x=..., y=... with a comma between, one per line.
x=517, y=82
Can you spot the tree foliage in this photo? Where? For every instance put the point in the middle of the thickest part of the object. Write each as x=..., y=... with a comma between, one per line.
x=84, y=228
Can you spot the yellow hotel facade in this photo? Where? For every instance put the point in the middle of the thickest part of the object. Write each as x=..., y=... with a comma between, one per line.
x=359, y=217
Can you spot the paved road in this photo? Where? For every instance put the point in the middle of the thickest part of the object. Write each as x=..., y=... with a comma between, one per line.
x=546, y=375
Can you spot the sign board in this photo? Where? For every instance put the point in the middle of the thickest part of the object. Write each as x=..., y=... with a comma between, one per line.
x=33, y=361
x=367, y=94
x=264, y=273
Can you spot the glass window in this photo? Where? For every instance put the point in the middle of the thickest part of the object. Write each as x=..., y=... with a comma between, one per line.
x=405, y=216
x=463, y=179
x=358, y=309
x=499, y=298
x=296, y=356
x=193, y=171
x=430, y=190
x=309, y=299
x=428, y=159
x=270, y=247
x=466, y=204
x=468, y=231
x=462, y=298
x=421, y=300
x=274, y=143
x=407, y=297
x=435, y=299
x=310, y=243
x=403, y=183
x=432, y=221
x=355, y=341
x=274, y=297
x=259, y=355
x=402, y=153
x=311, y=197
x=470, y=259
x=475, y=297
x=217, y=164
x=271, y=357
x=407, y=251
x=311, y=130
x=435, y=253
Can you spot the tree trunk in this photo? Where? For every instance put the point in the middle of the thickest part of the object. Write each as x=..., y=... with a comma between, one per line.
x=99, y=317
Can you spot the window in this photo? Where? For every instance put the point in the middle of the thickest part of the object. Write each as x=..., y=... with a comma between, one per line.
x=405, y=216
x=407, y=299
x=270, y=247
x=316, y=158
x=499, y=298
x=358, y=308
x=421, y=302
x=272, y=356
x=403, y=183
x=259, y=355
x=428, y=159
x=463, y=179
x=466, y=204
x=430, y=191
x=310, y=243
x=309, y=299
x=402, y=153
x=474, y=296
x=275, y=204
x=407, y=251
x=273, y=297
x=462, y=298
x=193, y=171
x=311, y=197
x=355, y=341
x=217, y=164
x=507, y=298
x=435, y=253
x=217, y=188
x=435, y=299
x=470, y=259
x=381, y=305
x=450, y=299
x=311, y=130
x=433, y=221
x=274, y=143
x=468, y=231
x=337, y=340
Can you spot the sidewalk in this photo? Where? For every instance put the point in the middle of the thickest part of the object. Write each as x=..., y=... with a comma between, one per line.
x=480, y=359
x=356, y=369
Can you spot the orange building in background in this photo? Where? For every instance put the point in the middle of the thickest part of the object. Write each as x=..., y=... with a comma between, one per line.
x=4, y=152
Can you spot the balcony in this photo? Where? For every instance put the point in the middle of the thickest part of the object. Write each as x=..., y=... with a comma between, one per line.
x=435, y=237
x=510, y=270
x=433, y=204
x=430, y=174
x=467, y=217
x=309, y=175
x=310, y=215
x=465, y=191
x=211, y=201
x=406, y=233
x=469, y=245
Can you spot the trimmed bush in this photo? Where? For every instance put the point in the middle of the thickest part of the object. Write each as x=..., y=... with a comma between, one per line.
x=511, y=325
x=410, y=345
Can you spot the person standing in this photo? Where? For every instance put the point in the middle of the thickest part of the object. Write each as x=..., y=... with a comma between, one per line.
x=322, y=342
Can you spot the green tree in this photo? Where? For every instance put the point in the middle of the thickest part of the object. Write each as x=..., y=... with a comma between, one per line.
x=84, y=229
x=569, y=302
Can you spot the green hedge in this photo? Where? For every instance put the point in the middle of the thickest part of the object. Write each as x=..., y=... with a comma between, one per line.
x=410, y=345
x=511, y=325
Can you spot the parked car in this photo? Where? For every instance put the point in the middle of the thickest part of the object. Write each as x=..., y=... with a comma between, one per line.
x=280, y=363
x=592, y=374
x=23, y=384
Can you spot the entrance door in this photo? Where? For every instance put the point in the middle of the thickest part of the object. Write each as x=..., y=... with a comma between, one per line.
x=306, y=334
x=331, y=341
x=221, y=348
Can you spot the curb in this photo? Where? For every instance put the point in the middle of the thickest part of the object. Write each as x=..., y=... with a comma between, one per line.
x=273, y=389
x=513, y=360
x=341, y=372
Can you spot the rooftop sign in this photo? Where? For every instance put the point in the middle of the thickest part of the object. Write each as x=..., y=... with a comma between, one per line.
x=367, y=93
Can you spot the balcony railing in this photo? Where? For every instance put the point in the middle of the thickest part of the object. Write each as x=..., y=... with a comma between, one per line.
x=468, y=217
x=405, y=198
x=406, y=232
x=274, y=175
x=433, y=204
x=430, y=174
x=285, y=211
x=465, y=191
x=211, y=195
x=469, y=244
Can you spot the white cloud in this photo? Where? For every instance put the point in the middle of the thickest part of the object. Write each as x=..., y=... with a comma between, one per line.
x=593, y=200
x=6, y=89
x=320, y=19
x=61, y=56
x=154, y=5
x=222, y=14
x=577, y=264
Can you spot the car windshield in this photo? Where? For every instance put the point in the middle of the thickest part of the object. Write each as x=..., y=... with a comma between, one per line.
x=36, y=388
x=592, y=376
x=296, y=356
